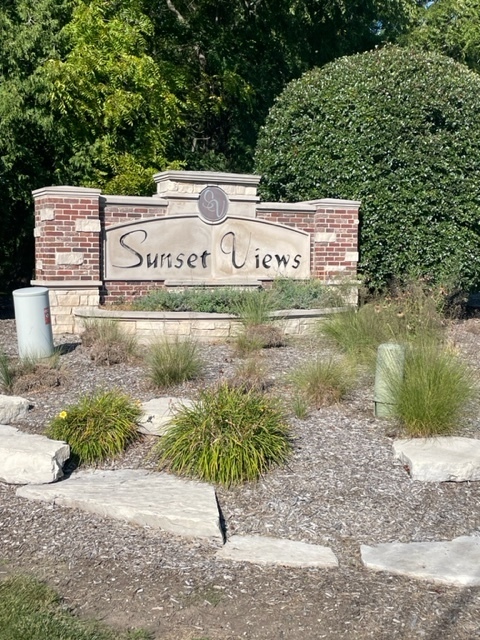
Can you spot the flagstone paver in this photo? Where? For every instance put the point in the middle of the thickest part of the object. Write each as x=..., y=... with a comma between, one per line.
x=267, y=550
x=454, y=562
x=441, y=459
x=158, y=500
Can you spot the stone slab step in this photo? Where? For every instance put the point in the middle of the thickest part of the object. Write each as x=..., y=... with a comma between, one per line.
x=455, y=562
x=442, y=459
x=157, y=414
x=30, y=458
x=279, y=551
x=158, y=500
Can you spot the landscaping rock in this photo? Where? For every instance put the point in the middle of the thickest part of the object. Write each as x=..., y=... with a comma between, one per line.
x=30, y=458
x=266, y=550
x=440, y=459
x=157, y=500
x=12, y=408
x=454, y=562
x=157, y=414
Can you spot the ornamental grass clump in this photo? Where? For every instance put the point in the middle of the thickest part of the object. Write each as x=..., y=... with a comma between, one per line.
x=434, y=393
x=322, y=382
x=98, y=427
x=408, y=317
x=258, y=332
x=108, y=342
x=228, y=436
x=172, y=362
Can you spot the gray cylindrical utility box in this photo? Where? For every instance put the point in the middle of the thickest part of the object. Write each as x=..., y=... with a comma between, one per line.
x=33, y=321
x=389, y=373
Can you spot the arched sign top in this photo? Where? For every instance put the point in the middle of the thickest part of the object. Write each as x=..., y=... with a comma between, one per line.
x=213, y=204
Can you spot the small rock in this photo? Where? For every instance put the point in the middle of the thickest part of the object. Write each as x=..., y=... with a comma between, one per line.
x=30, y=458
x=12, y=408
x=157, y=414
x=442, y=459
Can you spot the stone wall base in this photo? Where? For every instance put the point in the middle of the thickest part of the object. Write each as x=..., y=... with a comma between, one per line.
x=202, y=327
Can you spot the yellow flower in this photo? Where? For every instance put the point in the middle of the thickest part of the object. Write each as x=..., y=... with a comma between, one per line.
x=62, y=415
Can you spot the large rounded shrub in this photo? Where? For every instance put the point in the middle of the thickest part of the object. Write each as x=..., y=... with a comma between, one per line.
x=399, y=130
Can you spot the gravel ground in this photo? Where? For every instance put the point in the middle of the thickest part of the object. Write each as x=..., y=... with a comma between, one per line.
x=342, y=488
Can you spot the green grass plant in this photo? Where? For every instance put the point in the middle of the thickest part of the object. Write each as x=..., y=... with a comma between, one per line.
x=323, y=382
x=173, y=361
x=254, y=309
x=98, y=426
x=435, y=391
x=408, y=317
x=247, y=343
x=7, y=373
x=228, y=436
x=108, y=341
x=30, y=610
x=259, y=330
x=250, y=374
x=300, y=405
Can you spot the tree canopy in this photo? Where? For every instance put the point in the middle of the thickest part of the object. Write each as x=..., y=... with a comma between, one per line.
x=106, y=92
x=399, y=130
x=451, y=27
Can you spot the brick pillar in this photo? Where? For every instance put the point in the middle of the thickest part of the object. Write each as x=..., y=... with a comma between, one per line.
x=335, y=239
x=67, y=250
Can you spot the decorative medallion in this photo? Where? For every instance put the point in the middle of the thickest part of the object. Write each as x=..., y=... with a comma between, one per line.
x=213, y=204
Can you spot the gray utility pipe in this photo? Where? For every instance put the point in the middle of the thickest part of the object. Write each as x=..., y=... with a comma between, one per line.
x=388, y=374
x=33, y=321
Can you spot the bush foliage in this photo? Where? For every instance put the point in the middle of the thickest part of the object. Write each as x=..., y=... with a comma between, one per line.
x=285, y=293
x=399, y=130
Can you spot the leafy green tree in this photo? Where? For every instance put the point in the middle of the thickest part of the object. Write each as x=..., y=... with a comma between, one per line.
x=31, y=141
x=238, y=56
x=81, y=102
x=117, y=103
x=106, y=92
x=450, y=27
x=399, y=130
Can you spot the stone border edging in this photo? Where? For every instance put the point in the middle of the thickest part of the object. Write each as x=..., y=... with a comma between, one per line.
x=204, y=327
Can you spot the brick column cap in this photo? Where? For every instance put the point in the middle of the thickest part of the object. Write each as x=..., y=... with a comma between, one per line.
x=333, y=203
x=66, y=191
x=208, y=177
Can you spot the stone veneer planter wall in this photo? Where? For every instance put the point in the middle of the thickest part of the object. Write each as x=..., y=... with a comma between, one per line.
x=203, y=327
x=73, y=225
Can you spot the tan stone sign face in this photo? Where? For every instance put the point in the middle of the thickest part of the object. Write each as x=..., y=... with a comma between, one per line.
x=186, y=248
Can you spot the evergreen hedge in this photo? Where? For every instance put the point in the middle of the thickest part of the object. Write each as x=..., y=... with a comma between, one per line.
x=399, y=130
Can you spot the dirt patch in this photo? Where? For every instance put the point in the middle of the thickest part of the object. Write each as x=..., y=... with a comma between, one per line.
x=341, y=488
